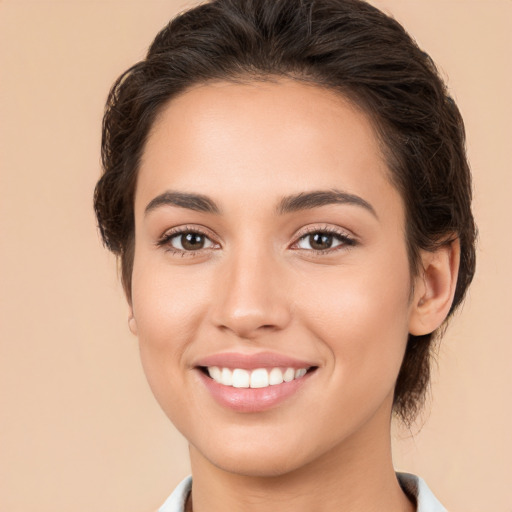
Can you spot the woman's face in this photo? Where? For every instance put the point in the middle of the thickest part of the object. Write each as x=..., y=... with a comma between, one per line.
x=269, y=242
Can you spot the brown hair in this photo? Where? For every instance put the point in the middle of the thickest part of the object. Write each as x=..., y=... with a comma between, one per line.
x=344, y=45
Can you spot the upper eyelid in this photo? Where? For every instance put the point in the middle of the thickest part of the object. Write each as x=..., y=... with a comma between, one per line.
x=178, y=230
x=307, y=230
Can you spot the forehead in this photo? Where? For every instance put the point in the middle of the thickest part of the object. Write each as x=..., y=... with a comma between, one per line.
x=232, y=140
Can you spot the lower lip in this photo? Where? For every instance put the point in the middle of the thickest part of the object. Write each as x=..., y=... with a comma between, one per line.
x=252, y=399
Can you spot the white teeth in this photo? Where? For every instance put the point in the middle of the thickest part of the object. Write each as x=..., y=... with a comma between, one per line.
x=259, y=378
x=226, y=377
x=241, y=378
x=289, y=375
x=215, y=373
x=275, y=376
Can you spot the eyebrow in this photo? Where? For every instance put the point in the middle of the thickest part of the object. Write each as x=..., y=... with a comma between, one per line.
x=318, y=198
x=196, y=202
x=288, y=204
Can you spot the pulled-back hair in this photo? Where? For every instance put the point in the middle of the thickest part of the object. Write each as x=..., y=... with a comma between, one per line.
x=344, y=45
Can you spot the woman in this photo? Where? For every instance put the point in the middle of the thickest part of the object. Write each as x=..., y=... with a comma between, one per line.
x=286, y=186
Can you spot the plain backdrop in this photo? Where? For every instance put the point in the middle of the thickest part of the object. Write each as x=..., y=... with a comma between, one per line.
x=79, y=429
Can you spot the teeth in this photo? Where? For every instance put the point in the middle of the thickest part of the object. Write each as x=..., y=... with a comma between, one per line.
x=275, y=377
x=259, y=378
x=289, y=375
x=241, y=378
x=215, y=373
x=226, y=377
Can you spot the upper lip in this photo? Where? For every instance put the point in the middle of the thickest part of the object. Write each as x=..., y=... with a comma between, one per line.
x=252, y=361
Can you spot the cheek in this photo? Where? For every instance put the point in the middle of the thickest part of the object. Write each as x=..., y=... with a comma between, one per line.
x=168, y=308
x=364, y=331
x=361, y=313
x=166, y=304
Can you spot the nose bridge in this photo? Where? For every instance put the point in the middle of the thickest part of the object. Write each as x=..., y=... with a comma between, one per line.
x=251, y=297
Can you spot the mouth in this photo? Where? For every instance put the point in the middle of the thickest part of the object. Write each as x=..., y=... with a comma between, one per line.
x=252, y=383
x=257, y=378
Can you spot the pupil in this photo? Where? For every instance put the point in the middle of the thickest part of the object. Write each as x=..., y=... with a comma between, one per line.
x=320, y=241
x=192, y=241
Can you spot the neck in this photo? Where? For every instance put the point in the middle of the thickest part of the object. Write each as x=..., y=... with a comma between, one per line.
x=357, y=475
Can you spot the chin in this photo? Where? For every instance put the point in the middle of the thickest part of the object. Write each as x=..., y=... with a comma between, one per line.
x=263, y=456
x=257, y=465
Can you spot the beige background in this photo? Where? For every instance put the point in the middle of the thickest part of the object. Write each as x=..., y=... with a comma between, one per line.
x=79, y=430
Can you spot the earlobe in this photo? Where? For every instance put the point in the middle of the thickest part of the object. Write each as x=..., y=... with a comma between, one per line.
x=132, y=324
x=434, y=288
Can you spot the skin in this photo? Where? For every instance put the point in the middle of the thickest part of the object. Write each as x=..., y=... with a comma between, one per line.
x=257, y=286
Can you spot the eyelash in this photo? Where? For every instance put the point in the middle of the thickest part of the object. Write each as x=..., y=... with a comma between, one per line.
x=346, y=241
x=165, y=241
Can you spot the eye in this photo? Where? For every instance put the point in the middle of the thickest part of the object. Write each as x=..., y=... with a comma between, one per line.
x=323, y=241
x=190, y=241
x=186, y=241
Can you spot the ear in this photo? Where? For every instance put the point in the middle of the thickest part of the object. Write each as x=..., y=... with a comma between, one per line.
x=132, y=323
x=434, y=288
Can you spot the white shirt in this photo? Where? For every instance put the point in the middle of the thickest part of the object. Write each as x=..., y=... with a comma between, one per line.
x=411, y=484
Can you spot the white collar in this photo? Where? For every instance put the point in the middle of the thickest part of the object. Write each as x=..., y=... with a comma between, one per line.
x=413, y=485
x=417, y=488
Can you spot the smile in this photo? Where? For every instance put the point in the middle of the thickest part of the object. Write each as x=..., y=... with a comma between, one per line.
x=257, y=382
x=257, y=378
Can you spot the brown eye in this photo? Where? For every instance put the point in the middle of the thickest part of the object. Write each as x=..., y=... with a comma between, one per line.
x=323, y=241
x=320, y=241
x=190, y=241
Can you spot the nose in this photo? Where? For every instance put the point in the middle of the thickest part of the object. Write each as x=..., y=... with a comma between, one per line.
x=251, y=297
